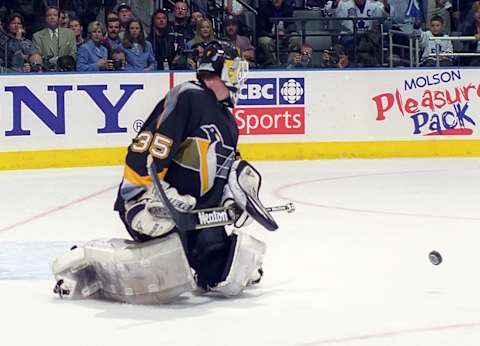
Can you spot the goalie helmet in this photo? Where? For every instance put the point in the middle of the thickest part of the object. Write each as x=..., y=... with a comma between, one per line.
x=223, y=60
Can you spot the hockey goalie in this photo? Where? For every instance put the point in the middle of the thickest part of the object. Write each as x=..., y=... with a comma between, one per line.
x=189, y=145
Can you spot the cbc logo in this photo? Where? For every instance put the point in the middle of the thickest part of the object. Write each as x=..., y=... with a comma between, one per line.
x=291, y=91
x=272, y=91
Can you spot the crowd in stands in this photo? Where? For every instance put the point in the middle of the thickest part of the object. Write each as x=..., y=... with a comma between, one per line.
x=109, y=35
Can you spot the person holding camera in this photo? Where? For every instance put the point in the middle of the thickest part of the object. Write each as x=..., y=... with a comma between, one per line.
x=34, y=64
x=92, y=55
x=119, y=59
x=336, y=57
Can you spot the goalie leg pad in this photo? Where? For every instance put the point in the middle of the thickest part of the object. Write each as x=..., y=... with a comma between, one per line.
x=246, y=264
x=152, y=272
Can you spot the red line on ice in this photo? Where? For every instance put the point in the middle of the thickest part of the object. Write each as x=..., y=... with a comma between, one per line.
x=392, y=333
x=279, y=192
x=53, y=210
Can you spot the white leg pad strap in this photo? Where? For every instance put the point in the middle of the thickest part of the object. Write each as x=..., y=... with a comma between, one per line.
x=247, y=260
x=152, y=272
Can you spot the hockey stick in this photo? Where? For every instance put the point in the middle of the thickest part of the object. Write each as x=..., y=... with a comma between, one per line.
x=201, y=218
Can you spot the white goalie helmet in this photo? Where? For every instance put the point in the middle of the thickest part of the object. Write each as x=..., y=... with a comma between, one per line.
x=222, y=59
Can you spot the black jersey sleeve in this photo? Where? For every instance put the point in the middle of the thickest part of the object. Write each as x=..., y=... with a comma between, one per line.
x=160, y=136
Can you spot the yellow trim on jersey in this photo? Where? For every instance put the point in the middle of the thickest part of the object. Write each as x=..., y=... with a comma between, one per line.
x=258, y=151
x=202, y=145
x=136, y=179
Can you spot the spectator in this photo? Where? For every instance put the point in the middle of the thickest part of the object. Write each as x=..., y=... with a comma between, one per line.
x=4, y=38
x=402, y=17
x=368, y=38
x=336, y=58
x=142, y=10
x=302, y=59
x=464, y=11
x=286, y=31
x=203, y=34
x=196, y=16
x=125, y=15
x=77, y=29
x=112, y=39
x=442, y=8
x=187, y=60
x=34, y=63
x=53, y=41
x=241, y=43
x=138, y=51
x=19, y=48
x=473, y=29
x=119, y=59
x=111, y=15
x=431, y=47
x=181, y=25
x=64, y=18
x=360, y=8
x=92, y=55
x=163, y=43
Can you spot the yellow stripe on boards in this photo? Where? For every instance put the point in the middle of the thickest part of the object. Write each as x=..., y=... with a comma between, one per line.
x=373, y=149
x=62, y=158
x=262, y=151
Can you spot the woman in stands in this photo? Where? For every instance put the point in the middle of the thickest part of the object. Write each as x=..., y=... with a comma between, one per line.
x=138, y=50
x=203, y=34
x=92, y=55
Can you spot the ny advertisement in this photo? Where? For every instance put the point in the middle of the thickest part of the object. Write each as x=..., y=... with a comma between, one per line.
x=75, y=111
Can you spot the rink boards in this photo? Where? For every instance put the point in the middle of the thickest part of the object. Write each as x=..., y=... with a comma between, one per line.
x=65, y=120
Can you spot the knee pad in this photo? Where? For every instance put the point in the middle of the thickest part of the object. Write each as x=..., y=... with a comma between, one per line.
x=151, y=272
x=245, y=264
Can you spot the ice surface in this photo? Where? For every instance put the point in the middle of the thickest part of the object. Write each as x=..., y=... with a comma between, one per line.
x=349, y=267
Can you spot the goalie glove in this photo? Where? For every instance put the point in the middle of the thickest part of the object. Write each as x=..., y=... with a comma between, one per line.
x=242, y=189
x=240, y=217
x=148, y=215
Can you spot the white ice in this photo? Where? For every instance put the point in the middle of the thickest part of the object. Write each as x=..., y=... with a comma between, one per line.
x=349, y=267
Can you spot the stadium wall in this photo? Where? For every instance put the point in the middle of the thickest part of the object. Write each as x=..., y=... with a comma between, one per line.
x=66, y=120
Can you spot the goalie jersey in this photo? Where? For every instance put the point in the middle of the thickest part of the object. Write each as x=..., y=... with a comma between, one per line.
x=192, y=139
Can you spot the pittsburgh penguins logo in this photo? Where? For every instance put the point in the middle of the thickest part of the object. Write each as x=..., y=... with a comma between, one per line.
x=208, y=155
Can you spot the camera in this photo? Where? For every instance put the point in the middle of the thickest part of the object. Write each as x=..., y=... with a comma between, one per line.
x=36, y=67
x=333, y=57
x=117, y=65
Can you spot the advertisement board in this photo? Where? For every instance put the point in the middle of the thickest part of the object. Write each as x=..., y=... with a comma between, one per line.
x=295, y=114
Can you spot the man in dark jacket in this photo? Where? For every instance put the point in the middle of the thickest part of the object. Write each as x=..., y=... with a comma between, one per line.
x=288, y=37
x=162, y=41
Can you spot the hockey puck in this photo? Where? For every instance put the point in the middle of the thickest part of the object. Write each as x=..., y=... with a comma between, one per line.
x=435, y=257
